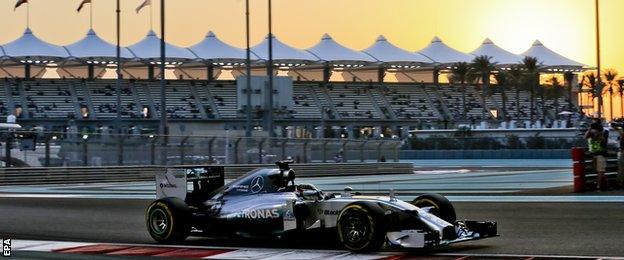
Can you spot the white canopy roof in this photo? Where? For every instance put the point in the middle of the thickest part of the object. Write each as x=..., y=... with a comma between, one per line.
x=211, y=48
x=498, y=54
x=149, y=48
x=30, y=46
x=550, y=58
x=443, y=54
x=92, y=46
x=384, y=51
x=329, y=50
x=281, y=52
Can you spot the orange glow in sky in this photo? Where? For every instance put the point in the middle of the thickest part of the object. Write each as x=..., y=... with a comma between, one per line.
x=567, y=26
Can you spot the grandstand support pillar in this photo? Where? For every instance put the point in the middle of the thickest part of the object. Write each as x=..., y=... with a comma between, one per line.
x=381, y=74
x=343, y=151
x=305, y=151
x=260, y=144
x=325, y=151
x=436, y=77
x=379, y=154
x=150, y=72
x=182, y=149
x=90, y=72
x=362, y=146
x=284, y=142
x=326, y=73
x=27, y=71
x=236, y=143
x=210, y=72
x=210, y=147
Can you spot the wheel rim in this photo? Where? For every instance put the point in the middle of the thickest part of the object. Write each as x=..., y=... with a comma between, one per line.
x=355, y=229
x=159, y=221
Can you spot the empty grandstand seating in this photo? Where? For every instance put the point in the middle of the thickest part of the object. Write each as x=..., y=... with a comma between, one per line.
x=196, y=100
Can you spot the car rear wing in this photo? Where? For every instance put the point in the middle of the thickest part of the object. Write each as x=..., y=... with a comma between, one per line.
x=179, y=182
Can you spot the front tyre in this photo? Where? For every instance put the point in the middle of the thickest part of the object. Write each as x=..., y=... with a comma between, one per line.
x=438, y=205
x=360, y=228
x=168, y=220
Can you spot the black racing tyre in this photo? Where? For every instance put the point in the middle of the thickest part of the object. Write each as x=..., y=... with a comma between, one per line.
x=441, y=207
x=168, y=220
x=360, y=228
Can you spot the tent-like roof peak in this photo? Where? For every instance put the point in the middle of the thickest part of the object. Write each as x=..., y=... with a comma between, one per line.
x=149, y=48
x=384, y=51
x=441, y=53
x=29, y=45
x=92, y=46
x=329, y=50
x=537, y=43
x=281, y=51
x=498, y=54
x=212, y=48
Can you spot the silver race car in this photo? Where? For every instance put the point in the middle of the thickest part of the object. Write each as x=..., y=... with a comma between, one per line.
x=267, y=203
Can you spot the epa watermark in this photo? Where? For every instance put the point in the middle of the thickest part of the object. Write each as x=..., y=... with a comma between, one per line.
x=6, y=247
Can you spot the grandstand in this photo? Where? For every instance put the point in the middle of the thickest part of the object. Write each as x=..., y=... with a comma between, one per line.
x=50, y=102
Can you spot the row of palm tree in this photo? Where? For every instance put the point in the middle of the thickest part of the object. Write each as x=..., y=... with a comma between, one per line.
x=610, y=83
x=525, y=76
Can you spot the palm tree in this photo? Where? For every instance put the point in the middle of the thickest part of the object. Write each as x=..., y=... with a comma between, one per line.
x=620, y=90
x=554, y=91
x=590, y=80
x=461, y=73
x=484, y=67
x=568, y=76
x=531, y=76
x=502, y=79
x=609, y=78
x=515, y=80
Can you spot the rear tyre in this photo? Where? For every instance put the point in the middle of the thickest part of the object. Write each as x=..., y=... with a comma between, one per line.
x=439, y=206
x=168, y=220
x=360, y=228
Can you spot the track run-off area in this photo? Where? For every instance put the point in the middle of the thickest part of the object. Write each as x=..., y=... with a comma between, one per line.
x=537, y=216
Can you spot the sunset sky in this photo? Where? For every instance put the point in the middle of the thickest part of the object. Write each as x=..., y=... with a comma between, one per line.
x=567, y=26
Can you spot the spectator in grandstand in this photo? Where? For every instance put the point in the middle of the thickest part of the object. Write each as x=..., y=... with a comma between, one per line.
x=597, y=138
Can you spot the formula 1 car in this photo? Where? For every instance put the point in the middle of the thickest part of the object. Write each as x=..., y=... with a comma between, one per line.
x=266, y=202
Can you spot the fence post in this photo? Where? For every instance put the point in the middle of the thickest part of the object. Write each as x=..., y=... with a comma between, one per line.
x=260, y=150
x=153, y=151
x=325, y=150
x=396, y=152
x=85, y=149
x=379, y=150
x=236, y=150
x=344, y=151
x=210, y=154
x=120, y=150
x=305, y=151
x=47, y=152
x=284, y=141
x=362, y=151
x=182, y=149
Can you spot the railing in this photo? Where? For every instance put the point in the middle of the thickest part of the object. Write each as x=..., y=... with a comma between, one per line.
x=71, y=175
x=87, y=149
x=494, y=143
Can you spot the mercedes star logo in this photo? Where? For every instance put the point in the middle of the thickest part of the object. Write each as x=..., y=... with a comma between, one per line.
x=257, y=184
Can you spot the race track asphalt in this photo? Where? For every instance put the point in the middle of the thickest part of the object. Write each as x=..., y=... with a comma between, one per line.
x=538, y=228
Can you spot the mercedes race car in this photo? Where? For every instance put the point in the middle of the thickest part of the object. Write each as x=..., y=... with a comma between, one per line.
x=266, y=202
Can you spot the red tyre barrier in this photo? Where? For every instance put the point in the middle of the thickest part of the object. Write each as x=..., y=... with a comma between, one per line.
x=579, y=176
x=578, y=168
